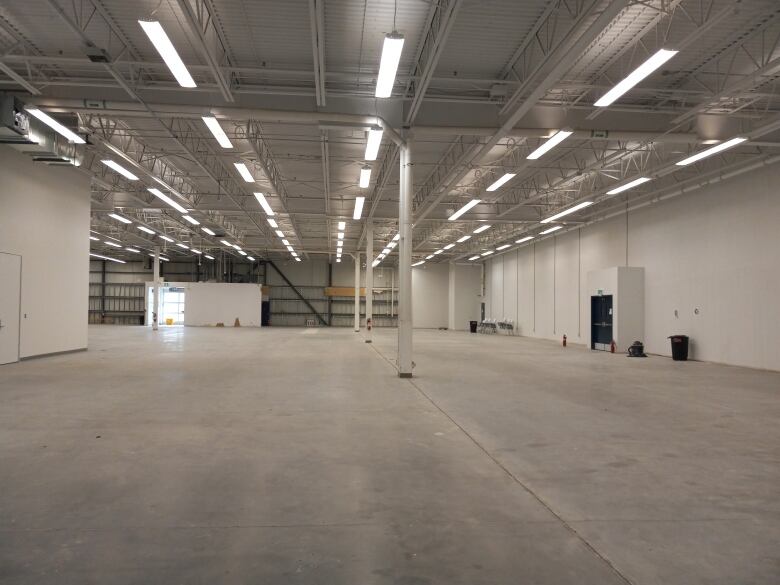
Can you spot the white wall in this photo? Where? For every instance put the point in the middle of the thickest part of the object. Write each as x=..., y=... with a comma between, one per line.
x=44, y=217
x=465, y=289
x=430, y=294
x=714, y=250
x=209, y=303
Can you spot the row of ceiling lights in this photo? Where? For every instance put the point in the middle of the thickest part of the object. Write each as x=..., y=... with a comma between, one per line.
x=640, y=73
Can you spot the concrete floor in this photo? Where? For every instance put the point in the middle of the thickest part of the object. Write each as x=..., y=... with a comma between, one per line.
x=297, y=456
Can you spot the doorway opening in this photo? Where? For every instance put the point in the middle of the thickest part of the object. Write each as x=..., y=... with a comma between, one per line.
x=171, y=305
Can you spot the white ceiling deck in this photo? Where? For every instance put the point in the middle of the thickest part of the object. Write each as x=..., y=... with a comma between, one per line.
x=480, y=85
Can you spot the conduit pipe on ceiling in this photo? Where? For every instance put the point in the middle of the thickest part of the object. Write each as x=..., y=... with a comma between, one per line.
x=134, y=110
x=676, y=138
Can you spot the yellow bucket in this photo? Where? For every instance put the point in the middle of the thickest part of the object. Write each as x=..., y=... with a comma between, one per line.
x=169, y=321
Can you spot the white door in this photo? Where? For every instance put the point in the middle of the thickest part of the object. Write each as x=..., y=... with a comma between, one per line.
x=10, y=293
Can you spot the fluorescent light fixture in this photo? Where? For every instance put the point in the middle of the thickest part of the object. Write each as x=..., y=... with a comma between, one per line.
x=133, y=250
x=710, y=151
x=550, y=143
x=291, y=249
x=285, y=242
x=380, y=257
x=56, y=126
x=365, y=177
x=338, y=259
x=645, y=69
x=272, y=222
x=107, y=258
x=437, y=252
x=160, y=195
x=164, y=46
x=488, y=253
x=213, y=124
x=372, y=143
x=339, y=243
x=191, y=219
x=119, y=218
x=280, y=233
x=359, y=201
x=264, y=204
x=120, y=169
x=244, y=172
x=143, y=228
x=629, y=185
x=554, y=228
x=481, y=229
x=166, y=238
x=448, y=246
x=388, y=65
x=463, y=239
x=182, y=246
x=392, y=245
x=419, y=263
x=114, y=244
x=295, y=254
x=208, y=231
x=94, y=238
x=297, y=259
x=525, y=239
x=242, y=252
x=429, y=256
x=566, y=212
x=228, y=244
x=342, y=225
x=464, y=209
x=163, y=258
x=501, y=181
x=504, y=247
x=198, y=252
x=375, y=263
x=386, y=251
x=209, y=257
x=474, y=258
x=250, y=258
x=236, y=246
x=341, y=235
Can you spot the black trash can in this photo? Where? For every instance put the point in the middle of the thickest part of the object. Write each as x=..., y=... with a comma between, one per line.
x=679, y=347
x=473, y=326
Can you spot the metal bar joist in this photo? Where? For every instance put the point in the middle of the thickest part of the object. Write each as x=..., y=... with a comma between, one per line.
x=201, y=21
x=317, y=22
x=440, y=25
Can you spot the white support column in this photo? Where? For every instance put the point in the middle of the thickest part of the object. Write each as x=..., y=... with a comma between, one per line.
x=156, y=302
x=369, y=278
x=405, y=264
x=357, y=292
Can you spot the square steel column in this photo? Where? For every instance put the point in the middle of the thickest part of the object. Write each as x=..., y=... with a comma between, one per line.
x=357, y=292
x=369, y=277
x=405, y=264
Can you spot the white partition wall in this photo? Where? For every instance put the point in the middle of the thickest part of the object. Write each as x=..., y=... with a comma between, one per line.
x=44, y=218
x=210, y=303
x=710, y=272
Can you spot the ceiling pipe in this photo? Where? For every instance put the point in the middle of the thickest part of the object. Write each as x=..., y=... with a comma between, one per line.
x=134, y=110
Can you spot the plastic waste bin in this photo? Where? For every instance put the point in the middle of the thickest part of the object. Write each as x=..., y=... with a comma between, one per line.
x=679, y=347
x=473, y=326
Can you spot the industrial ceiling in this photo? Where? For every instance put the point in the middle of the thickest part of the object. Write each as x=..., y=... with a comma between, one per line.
x=480, y=86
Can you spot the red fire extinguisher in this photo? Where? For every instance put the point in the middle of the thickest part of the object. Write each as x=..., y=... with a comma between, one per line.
x=612, y=347
x=564, y=340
